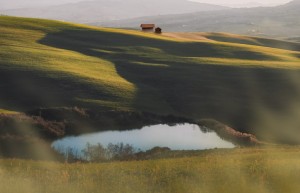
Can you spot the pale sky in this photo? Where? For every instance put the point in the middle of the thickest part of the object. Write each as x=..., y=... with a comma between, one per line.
x=11, y=4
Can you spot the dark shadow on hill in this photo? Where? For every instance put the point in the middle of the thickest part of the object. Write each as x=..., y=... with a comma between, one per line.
x=170, y=83
x=29, y=89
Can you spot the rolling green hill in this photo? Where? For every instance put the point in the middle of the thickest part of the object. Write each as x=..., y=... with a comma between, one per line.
x=249, y=83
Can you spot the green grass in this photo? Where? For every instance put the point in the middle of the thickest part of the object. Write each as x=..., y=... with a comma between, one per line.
x=249, y=83
x=229, y=171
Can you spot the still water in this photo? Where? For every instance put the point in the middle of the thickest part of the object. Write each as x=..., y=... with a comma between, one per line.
x=178, y=137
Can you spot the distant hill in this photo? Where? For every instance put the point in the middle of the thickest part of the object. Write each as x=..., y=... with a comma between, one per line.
x=295, y=39
x=107, y=10
x=17, y=4
x=249, y=83
x=281, y=21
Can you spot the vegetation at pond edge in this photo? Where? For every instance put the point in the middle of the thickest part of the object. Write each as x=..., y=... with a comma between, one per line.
x=112, y=152
x=30, y=135
x=246, y=170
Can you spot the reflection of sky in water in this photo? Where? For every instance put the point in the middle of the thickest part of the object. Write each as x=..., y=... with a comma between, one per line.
x=179, y=137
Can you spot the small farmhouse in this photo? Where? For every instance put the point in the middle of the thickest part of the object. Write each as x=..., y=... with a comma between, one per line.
x=147, y=27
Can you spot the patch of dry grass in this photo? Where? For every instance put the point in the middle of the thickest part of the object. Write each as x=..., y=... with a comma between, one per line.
x=229, y=171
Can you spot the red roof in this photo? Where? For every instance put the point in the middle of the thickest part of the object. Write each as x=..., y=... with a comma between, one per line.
x=147, y=26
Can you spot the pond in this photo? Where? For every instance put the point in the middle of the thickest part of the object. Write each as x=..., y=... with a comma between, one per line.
x=177, y=137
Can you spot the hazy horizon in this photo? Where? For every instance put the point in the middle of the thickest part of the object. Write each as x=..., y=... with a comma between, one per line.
x=244, y=3
x=14, y=4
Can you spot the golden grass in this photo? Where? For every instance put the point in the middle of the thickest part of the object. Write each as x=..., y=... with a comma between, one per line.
x=228, y=171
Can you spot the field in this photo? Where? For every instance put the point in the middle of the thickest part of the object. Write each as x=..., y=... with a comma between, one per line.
x=249, y=83
x=229, y=171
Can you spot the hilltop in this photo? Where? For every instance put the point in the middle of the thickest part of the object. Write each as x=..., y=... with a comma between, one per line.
x=249, y=83
x=277, y=22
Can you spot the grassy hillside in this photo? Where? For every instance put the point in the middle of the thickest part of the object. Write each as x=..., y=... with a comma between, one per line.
x=214, y=171
x=250, y=84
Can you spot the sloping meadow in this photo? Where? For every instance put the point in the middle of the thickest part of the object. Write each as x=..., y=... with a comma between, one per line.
x=253, y=88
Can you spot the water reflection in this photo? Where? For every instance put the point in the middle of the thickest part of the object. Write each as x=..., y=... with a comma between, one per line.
x=177, y=137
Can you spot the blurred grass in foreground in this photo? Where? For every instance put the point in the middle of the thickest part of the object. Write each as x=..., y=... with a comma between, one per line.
x=246, y=170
